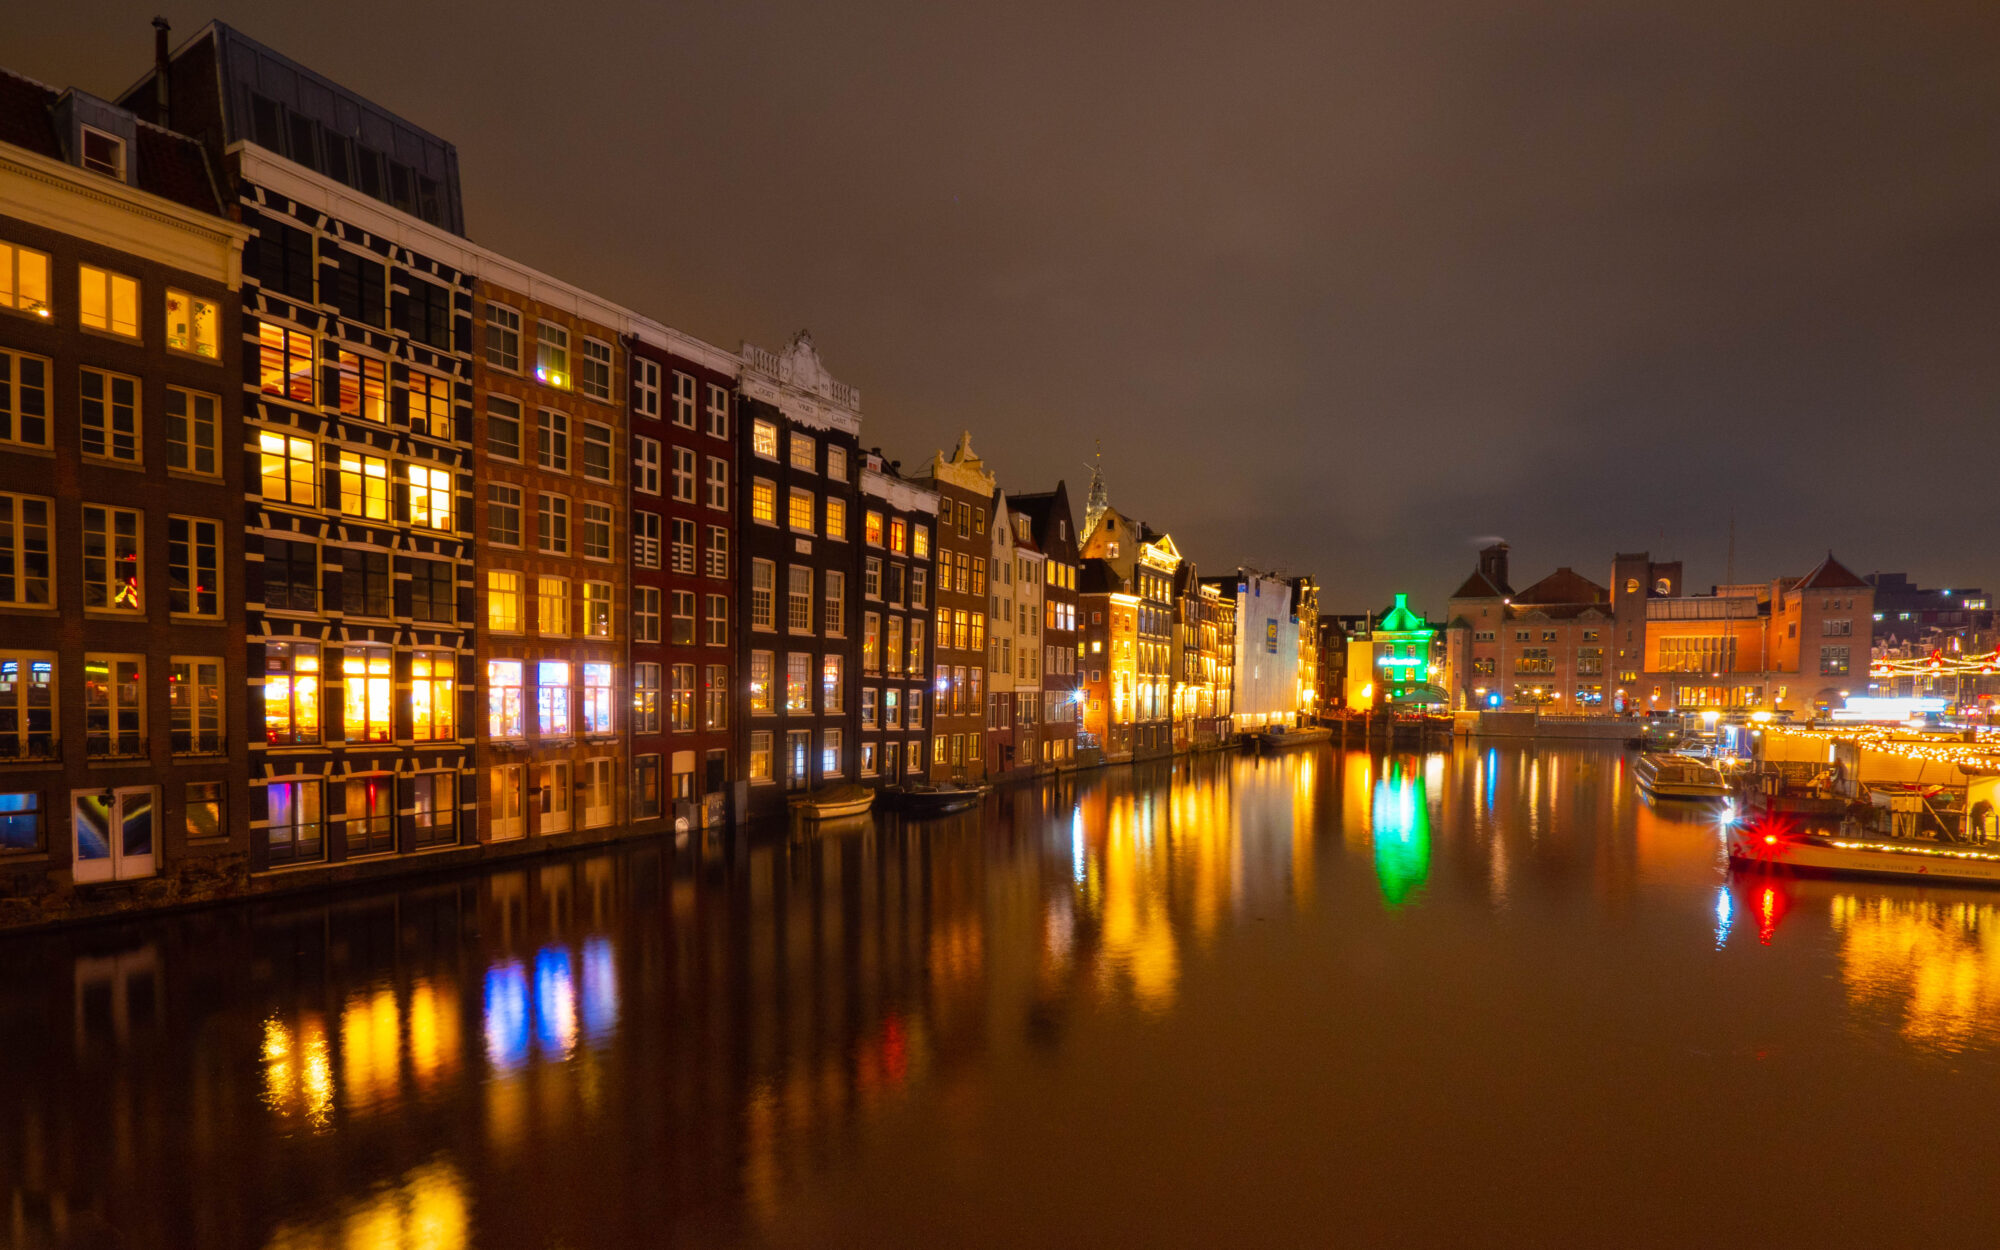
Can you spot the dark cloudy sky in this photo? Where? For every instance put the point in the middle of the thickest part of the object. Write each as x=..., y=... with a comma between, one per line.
x=1342, y=287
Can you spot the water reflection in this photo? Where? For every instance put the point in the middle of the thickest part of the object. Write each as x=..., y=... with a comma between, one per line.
x=755, y=1027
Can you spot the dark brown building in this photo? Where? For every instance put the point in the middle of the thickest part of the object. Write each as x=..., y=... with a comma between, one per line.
x=1054, y=532
x=683, y=568
x=122, y=683
x=798, y=515
x=898, y=526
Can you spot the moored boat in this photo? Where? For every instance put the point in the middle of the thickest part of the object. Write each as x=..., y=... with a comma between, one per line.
x=1680, y=777
x=925, y=799
x=1279, y=738
x=1817, y=854
x=833, y=802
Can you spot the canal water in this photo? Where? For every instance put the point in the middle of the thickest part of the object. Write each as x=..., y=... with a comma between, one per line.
x=1481, y=997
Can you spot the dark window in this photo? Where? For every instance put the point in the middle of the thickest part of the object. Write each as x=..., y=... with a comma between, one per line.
x=364, y=583
x=434, y=810
x=291, y=576
x=425, y=313
x=267, y=123
x=429, y=201
x=402, y=187
x=339, y=157
x=281, y=257
x=360, y=288
x=433, y=594
x=305, y=141
x=372, y=179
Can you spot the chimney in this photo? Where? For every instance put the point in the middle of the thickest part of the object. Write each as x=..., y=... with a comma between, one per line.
x=1493, y=563
x=160, y=100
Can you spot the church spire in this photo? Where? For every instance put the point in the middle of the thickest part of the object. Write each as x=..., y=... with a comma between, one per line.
x=1098, y=502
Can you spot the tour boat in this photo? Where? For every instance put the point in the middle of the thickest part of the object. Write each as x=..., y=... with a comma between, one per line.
x=1680, y=777
x=833, y=802
x=1278, y=738
x=925, y=799
x=1818, y=854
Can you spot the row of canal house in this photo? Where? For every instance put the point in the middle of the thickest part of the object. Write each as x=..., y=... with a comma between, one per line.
x=333, y=542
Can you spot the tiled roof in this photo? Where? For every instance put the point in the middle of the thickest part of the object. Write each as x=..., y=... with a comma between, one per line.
x=1831, y=575
x=1478, y=586
x=166, y=164
x=1564, y=586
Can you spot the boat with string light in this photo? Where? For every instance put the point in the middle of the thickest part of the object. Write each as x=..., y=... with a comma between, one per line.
x=1762, y=847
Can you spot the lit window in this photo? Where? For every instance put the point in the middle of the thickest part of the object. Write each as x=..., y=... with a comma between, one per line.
x=596, y=698
x=193, y=324
x=898, y=534
x=646, y=698
x=108, y=301
x=433, y=706
x=291, y=692
x=24, y=280
x=430, y=497
x=836, y=518
x=108, y=410
x=681, y=699
x=367, y=683
x=834, y=617
x=114, y=706
x=596, y=610
x=798, y=682
x=805, y=453
x=430, y=405
x=800, y=514
x=285, y=362
x=27, y=712
x=503, y=699
x=364, y=486
x=830, y=755
x=833, y=692
x=503, y=602
x=763, y=502
x=871, y=531
x=295, y=831
x=552, y=355
x=836, y=464
x=194, y=705
x=761, y=679
x=194, y=578
x=552, y=605
x=760, y=757
x=24, y=397
x=764, y=439
x=552, y=699
x=111, y=566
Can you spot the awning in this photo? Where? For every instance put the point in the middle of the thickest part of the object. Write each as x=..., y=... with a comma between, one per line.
x=1423, y=694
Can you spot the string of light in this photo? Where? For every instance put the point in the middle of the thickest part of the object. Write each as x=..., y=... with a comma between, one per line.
x=1983, y=754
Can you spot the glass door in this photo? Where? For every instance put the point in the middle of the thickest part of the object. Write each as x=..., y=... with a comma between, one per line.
x=508, y=808
x=555, y=798
x=112, y=835
x=798, y=743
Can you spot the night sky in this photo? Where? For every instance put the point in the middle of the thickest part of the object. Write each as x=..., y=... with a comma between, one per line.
x=1343, y=288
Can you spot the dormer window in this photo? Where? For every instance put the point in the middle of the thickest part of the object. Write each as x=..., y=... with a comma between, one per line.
x=103, y=153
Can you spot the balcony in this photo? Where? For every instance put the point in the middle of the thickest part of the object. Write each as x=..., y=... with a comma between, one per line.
x=19, y=748
x=199, y=742
x=115, y=746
